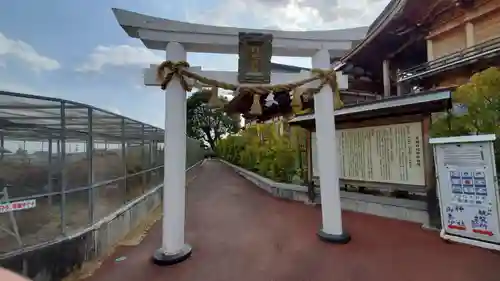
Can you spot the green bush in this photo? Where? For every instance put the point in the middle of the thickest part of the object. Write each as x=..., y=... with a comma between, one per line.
x=267, y=150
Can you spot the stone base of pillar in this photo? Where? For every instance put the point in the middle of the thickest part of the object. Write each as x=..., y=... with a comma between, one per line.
x=164, y=259
x=343, y=238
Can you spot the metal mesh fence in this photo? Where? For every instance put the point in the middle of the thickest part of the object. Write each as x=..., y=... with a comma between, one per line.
x=65, y=165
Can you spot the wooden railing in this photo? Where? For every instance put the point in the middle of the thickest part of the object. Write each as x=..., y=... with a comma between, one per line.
x=486, y=49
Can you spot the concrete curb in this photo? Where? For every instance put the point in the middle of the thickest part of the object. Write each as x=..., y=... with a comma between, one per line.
x=394, y=208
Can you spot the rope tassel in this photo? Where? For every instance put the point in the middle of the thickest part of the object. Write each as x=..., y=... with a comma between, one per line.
x=214, y=101
x=296, y=100
x=256, y=108
x=337, y=101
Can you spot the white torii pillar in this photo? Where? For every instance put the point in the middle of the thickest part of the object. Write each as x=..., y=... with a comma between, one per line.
x=173, y=247
x=331, y=230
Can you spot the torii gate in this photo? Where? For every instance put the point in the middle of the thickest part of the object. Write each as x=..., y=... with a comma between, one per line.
x=177, y=38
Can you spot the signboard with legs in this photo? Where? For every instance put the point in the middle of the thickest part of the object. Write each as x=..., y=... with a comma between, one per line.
x=383, y=154
x=468, y=189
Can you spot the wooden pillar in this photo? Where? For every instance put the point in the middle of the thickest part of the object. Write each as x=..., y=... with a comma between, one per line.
x=399, y=89
x=400, y=86
x=430, y=51
x=310, y=184
x=386, y=78
x=469, y=35
x=430, y=176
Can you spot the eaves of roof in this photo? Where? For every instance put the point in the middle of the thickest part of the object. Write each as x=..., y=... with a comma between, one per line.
x=390, y=12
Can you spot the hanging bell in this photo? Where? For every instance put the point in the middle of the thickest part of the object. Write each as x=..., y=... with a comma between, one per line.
x=256, y=108
x=214, y=101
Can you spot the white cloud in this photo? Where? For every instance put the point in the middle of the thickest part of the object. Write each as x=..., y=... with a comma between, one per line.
x=121, y=55
x=292, y=14
x=26, y=53
x=283, y=15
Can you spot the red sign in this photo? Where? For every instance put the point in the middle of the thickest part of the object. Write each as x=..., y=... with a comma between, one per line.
x=16, y=206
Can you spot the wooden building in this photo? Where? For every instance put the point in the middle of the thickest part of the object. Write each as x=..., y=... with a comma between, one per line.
x=422, y=48
x=426, y=44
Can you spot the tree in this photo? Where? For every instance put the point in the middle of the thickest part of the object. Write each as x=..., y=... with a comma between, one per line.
x=207, y=124
x=481, y=98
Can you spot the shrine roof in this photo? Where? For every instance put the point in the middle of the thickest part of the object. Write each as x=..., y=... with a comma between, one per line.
x=156, y=33
x=419, y=103
x=395, y=27
x=390, y=12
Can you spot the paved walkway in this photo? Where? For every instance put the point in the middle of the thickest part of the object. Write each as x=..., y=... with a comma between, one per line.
x=240, y=233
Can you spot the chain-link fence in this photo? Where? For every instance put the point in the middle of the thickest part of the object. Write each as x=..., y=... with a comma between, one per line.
x=65, y=166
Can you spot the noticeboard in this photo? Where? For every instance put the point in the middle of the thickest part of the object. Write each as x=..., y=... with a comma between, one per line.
x=383, y=154
x=467, y=188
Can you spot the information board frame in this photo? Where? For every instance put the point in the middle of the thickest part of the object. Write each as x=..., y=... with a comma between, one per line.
x=468, y=189
x=418, y=180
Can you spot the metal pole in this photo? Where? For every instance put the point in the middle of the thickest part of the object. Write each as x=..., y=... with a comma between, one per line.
x=90, y=167
x=148, y=161
x=155, y=149
x=154, y=173
x=143, y=157
x=62, y=167
x=124, y=156
x=2, y=142
x=12, y=218
x=151, y=151
x=51, y=171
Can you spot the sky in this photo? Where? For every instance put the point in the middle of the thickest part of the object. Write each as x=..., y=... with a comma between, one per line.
x=77, y=51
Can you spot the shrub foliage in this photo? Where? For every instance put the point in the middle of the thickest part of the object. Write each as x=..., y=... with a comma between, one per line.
x=270, y=150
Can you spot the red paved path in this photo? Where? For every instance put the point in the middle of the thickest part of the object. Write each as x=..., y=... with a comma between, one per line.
x=240, y=233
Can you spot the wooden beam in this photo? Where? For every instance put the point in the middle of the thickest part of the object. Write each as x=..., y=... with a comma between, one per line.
x=482, y=9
